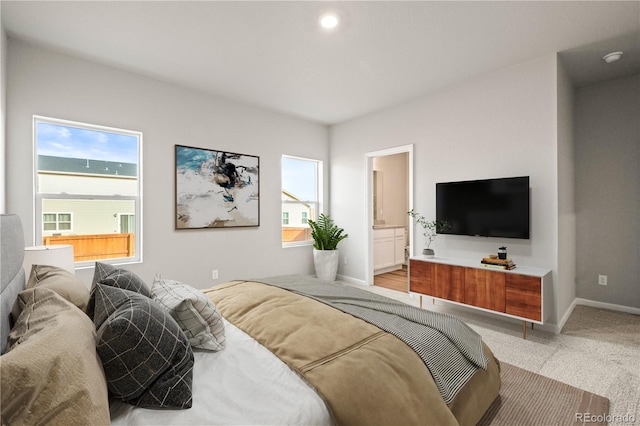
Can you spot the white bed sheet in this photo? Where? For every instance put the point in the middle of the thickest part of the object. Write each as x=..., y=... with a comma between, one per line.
x=244, y=384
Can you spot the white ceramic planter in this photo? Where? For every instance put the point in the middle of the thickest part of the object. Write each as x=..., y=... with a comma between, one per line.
x=429, y=253
x=326, y=264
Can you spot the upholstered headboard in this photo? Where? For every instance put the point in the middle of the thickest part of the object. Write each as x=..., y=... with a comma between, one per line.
x=11, y=272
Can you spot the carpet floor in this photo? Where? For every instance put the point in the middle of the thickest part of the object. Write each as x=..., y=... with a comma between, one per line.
x=597, y=351
x=529, y=399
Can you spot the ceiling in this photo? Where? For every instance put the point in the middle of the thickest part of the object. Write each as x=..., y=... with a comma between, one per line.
x=274, y=55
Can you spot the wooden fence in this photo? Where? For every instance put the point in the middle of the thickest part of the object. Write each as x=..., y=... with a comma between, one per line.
x=295, y=234
x=96, y=247
x=109, y=246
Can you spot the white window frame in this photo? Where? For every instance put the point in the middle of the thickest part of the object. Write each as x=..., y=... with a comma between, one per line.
x=39, y=197
x=285, y=218
x=318, y=204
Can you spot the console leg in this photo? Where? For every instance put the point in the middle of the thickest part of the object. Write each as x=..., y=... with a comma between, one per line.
x=420, y=301
x=524, y=329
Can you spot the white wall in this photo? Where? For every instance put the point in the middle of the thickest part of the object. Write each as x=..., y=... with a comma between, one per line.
x=608, y=191
x=566, y=289
x=3, y=114
x=497, y=125
x=51, y=84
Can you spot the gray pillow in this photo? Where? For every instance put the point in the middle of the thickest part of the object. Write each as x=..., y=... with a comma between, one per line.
x=115, y=277
x=118, y=277
x=146, y=357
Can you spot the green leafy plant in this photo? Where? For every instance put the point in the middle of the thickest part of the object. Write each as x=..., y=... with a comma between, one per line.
x=326, y=235
x=430, y=228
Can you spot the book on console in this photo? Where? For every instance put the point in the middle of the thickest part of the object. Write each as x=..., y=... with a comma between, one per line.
x=496, y=260
x=502, y=267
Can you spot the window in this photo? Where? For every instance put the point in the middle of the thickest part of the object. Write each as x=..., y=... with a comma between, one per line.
x=56, y=222
x=127, y=223
x=301, y=197
x=88, y=190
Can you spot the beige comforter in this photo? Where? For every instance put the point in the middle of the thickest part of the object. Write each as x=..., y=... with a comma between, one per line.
x=365, y=375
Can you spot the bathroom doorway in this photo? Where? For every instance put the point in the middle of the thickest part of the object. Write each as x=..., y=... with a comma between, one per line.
x=389, y=197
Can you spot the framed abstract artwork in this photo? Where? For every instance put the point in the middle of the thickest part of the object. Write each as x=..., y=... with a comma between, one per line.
x=216, y=189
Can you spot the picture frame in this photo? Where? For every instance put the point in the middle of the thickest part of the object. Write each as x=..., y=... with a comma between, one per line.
x=216, y=189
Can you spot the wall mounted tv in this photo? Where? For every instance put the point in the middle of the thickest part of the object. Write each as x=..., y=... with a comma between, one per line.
x=487, y=208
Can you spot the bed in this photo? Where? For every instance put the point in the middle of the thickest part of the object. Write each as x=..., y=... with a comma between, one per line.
x=278, y=350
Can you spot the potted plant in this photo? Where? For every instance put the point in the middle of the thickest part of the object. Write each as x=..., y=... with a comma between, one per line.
x=430, y=229
x=326, y=236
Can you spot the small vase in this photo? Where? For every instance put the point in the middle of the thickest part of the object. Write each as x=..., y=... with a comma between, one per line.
x=428, y=252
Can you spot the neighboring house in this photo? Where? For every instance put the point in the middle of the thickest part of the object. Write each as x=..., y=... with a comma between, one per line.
x=81, y=217
x=295, y=217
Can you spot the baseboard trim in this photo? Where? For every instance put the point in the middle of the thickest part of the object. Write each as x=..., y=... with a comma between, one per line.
x=387, y=269
x=566, y=316
x=352, y=280
x=609, y=306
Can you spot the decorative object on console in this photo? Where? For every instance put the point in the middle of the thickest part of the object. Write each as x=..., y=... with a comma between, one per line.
x=431, y=228
x=216, y=189
x=53, y=255
x=502, y=253
x=326, y=236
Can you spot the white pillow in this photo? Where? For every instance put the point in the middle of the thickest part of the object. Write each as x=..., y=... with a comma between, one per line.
x=193, y=311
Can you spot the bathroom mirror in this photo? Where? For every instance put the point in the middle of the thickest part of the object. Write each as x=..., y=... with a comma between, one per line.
x=378, y=214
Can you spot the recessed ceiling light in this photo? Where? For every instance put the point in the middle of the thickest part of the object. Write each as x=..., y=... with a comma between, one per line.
x=612, y=57
x=329, y=21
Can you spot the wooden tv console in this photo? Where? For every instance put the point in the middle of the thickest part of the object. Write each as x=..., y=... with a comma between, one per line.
x=522, y=293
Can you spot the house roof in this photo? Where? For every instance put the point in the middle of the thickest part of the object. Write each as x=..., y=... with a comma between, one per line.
x=47, y=163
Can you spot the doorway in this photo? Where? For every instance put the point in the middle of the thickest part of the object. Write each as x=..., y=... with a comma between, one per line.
x=389, y=198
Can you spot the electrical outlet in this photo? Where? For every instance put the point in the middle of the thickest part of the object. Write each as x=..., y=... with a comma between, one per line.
x=214, y=274
x=602, y=279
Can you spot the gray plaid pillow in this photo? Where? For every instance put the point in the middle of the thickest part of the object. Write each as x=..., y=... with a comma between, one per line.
x=115, y=277
x=146, y=357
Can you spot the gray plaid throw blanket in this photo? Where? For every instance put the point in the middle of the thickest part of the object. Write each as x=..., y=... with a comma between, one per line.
x=449, y=348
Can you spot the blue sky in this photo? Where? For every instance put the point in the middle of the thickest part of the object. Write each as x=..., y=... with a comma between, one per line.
x=298, y=177
x=72, y=142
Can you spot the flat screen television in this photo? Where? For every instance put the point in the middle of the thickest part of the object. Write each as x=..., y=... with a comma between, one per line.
x=487, y=208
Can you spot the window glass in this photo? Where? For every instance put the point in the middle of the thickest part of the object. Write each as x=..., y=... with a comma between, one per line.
x=88, y=190
x=301, y=195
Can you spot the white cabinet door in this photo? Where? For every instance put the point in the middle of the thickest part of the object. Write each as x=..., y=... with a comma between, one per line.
x=399, y=250
x=383, y=253
x=383, y=248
